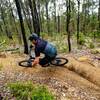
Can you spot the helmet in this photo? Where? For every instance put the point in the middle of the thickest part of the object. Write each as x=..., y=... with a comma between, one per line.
x=34, y=36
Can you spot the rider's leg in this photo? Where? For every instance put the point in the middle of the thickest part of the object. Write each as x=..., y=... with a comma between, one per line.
x=44, y=61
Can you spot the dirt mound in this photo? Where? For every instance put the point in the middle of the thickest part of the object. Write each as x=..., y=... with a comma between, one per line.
x=86, y=70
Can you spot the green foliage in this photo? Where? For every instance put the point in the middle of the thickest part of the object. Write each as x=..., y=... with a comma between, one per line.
x=28, y=91
x=60, y=41
x=81, y=39
x=41, y=93
x=92, y=45
x=95, y=51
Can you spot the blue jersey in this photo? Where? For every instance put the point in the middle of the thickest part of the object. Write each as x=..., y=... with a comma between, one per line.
x=44, y=47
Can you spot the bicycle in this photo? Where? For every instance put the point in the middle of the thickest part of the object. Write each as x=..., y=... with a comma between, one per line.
x=58, y=61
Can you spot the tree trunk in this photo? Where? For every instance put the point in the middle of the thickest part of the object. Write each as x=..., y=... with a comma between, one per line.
x=29, y=14
x=99, y=16
x=55, y=18
x=68, y=23
x=78, y=20
x=13, y=18
x=47, y=16
x=84, y=18
x=4, y=22
x=28, y=24
x=1, y=30
x=35, y=18
x=58, y=23
x=22, y=26
x=39, y=14
x=15, y=25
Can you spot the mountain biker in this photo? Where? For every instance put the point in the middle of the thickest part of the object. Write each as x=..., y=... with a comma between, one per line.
x=42, y=46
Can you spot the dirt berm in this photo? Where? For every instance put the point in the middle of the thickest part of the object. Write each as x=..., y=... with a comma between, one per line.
x=85, y=70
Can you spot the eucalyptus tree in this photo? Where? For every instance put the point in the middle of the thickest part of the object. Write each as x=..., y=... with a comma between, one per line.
x=25, y=15
x=55, y=14
x=4, y=18
x=68, y=9
x=47, y=15
x=28, y=13
x=78, y=21
x=22, y=26
x=99, y=16
x=12, y=17
x=58, y=23
x=35, y=17
x=39, y=10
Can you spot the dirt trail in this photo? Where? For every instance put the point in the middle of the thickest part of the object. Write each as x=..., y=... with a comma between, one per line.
x=63, y=82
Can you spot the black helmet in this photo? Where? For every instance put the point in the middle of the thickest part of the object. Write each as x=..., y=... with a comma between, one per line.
x=34, y=36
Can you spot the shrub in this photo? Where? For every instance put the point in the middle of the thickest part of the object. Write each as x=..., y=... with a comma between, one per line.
x=81, y=41
x=95, y=51
x=41, y=93
x=28, y=91
x=91, y=45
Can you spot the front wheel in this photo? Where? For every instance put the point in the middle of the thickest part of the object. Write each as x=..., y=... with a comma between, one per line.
x=59, y=61
x=26, y=63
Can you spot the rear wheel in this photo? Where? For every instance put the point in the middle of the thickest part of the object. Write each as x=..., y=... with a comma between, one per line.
x=59, y=61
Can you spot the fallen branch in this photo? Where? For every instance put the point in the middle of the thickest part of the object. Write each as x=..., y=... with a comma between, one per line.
x=13, y=49
x=7, y=50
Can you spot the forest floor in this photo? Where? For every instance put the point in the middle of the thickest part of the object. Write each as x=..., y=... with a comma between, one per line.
x=65, y=82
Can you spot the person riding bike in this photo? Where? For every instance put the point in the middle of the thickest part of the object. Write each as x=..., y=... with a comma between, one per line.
x=42, y=46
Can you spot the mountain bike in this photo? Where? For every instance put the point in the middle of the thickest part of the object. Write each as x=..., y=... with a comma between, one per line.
x=58, y=61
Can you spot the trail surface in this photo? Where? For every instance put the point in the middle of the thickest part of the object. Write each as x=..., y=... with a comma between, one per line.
x=67, y=82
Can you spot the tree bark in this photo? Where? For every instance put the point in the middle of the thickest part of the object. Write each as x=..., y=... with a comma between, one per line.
x=55, y=18
x=13, y=17
x=28, y=23
x=99, y=16
x=4, y=22
x=35, y=18
x=29, y=14
x=47, y=16
x=39, y=14
x=84, y=18
x=58, y=23
x=22, y=26
x=78, y=21
x=68, y=25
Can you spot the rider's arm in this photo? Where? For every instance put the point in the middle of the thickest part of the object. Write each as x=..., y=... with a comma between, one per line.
x=36, y=61
x=37, y=54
